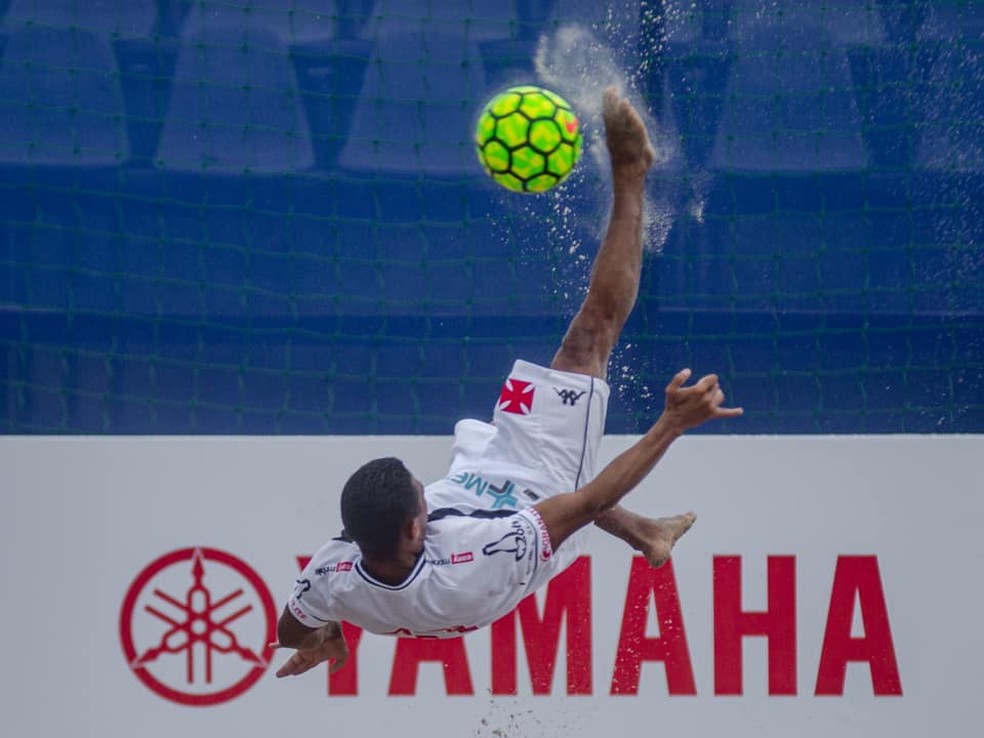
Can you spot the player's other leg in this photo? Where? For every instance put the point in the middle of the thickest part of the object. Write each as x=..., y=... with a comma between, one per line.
x=652, y=537
x=612, y=292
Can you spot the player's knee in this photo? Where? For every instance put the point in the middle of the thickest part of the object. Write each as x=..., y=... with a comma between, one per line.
x=596, y=326
x=587, y=345
x=580, y=340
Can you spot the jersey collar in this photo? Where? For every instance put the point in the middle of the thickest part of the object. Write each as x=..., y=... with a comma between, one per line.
x=414, y=573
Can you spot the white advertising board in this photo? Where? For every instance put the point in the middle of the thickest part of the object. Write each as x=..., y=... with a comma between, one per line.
x=831, y=586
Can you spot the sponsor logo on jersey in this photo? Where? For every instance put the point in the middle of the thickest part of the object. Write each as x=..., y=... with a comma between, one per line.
x=546, y=549
x=407, y=633
x=301, y=586
x=513, y=542
x=329, y=568
x=516, y=397
x=569, y=396
x=301, y=615
x=502, y=495
x=458, y=558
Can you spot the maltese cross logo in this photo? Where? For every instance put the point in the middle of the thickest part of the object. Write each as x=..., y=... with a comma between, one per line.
x=516, y=397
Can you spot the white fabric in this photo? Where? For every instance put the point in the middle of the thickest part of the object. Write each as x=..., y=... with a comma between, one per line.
x=472, y=571
x=486, y=547
x=538, y=443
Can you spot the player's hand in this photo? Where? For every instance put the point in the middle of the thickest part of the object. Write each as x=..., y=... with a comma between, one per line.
x=332, y=649
x=688, y=407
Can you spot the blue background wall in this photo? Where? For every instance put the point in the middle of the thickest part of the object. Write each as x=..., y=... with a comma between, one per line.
x=266, y=216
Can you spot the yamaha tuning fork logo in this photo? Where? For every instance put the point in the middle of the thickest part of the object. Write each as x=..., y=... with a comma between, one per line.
x=195, y=626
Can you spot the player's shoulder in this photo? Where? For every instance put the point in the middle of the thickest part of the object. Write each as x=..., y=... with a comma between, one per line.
x=337, y=554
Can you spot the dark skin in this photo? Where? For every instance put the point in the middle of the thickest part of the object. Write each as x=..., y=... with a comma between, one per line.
x=586, y=349
x=563, y=514
x=317, y=645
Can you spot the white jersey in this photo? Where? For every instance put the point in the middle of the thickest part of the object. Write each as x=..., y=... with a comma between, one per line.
x=486, y=547
x=472, y=571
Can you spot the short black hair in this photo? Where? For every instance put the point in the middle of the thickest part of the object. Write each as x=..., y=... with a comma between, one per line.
x=377, y=500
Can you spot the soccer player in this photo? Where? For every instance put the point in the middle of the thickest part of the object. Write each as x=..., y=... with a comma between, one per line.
x=510, y=515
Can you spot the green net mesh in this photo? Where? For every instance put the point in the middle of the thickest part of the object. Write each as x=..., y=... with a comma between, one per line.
x=267, y=216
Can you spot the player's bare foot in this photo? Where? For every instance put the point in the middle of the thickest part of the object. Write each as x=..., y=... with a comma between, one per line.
x=662, y=534
x=626, y=135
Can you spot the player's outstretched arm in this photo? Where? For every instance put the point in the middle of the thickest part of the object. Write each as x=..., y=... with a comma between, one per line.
x=686, y=408
x=314, y=645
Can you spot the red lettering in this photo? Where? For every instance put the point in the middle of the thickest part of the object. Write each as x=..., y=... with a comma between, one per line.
x=777, y=624
x=567, y=602
x=858, y=575
x=671, y=645
x=568, y=597
x=450, y=652
x=345, y=681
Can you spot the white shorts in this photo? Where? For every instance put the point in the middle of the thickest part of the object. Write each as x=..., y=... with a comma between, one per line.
x=544, y=438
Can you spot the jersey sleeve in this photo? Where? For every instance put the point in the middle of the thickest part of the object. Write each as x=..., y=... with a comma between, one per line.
x=310, y=602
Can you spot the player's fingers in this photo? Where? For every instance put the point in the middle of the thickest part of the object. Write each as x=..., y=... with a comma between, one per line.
x=285, y=670
x=304, y=662
x=275, y=644
x=717, y=399
x=626, y=109
x=609, y=101
x=707, y=383
x=296, y=664
x=729, y=412
x=337, y=664
x=678, y=380
x=305, y=667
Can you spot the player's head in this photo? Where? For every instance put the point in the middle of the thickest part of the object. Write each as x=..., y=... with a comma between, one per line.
x=383, y=508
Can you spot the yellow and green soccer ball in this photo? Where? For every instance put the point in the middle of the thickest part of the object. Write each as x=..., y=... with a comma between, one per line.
x=528, y=139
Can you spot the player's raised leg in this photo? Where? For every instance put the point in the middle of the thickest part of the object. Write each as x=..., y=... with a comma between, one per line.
x=614, y=284
x=612, y=293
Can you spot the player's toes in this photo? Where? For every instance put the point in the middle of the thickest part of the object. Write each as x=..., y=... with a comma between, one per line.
x=683, y=523
x=610, y=104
